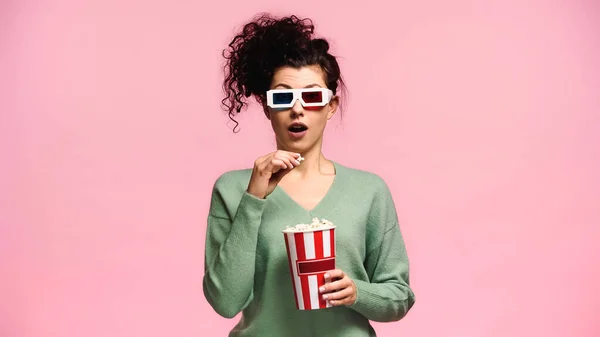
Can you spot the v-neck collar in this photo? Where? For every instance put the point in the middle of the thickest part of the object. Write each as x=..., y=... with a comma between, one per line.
x=288, y=201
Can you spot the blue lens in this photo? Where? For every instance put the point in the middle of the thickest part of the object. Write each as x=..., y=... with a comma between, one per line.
x=283, y=97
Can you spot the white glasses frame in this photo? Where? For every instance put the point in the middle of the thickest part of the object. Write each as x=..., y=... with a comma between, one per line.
x=327, y=95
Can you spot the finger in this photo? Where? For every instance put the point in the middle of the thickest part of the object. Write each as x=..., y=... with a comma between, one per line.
x=288, y=160
x=334, y=274
x=338, y=295
x=294, y=155
x=277, y=176
x=335, y=286
x=276, y=164
x=344, y=301
x=291, y=156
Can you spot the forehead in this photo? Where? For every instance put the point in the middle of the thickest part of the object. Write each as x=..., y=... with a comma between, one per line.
x=299, y=77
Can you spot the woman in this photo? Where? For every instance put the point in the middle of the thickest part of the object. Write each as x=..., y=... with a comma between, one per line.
x=246, y=267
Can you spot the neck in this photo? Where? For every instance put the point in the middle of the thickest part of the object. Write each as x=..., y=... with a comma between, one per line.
x=314, y=162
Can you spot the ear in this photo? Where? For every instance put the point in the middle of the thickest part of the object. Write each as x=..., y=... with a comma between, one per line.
x=266, y=108
x=333, y=106
x=267, y=112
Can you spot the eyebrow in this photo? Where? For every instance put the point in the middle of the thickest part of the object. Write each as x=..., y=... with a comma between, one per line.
x=288, y=87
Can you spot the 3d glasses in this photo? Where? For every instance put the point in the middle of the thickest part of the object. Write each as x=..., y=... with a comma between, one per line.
x=309, y=97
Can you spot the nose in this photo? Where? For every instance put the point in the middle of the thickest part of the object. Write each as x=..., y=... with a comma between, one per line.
x=297, y=109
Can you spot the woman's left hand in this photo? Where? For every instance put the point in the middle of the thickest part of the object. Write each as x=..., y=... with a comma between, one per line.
x=342, y=291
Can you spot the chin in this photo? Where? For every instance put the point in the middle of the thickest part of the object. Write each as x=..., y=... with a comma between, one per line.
x=291, y=145
x=294, y=147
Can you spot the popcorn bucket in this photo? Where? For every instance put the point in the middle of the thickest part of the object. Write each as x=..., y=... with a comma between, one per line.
x=310, y=254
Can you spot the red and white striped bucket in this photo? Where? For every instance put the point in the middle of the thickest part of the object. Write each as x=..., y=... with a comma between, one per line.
x=310, y=255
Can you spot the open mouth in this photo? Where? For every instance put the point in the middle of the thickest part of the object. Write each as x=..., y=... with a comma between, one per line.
x=297, y=128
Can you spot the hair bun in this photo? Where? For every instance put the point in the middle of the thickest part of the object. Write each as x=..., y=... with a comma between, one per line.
x=283, y=39
x=320, y=45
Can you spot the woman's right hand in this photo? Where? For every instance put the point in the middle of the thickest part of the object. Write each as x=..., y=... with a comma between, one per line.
x=268, y=171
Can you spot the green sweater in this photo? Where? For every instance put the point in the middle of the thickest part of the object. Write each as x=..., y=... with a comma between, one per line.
x=246, y=266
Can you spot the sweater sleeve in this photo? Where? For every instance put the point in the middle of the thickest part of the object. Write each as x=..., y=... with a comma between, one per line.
x=230, y=251
x=387, y=295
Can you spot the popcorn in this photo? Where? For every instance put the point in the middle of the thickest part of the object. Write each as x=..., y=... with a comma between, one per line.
x=317, y=224
x=300, y=159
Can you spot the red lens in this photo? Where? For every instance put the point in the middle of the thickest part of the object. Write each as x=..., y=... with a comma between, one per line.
x=312, y=97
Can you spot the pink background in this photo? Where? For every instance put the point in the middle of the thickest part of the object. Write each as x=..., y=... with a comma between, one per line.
x=483, y=117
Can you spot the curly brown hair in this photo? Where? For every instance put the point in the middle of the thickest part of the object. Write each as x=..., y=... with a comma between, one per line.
x=262, y=46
